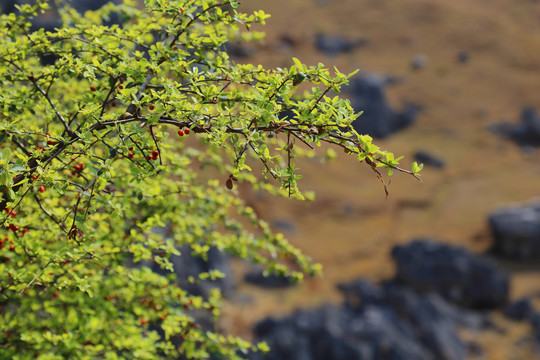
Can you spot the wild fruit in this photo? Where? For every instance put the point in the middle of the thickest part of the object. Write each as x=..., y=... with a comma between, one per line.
x=93, y=88
x=149, y=157
x=229, y=184
x=155, y=153
x=143, y=321
x=180, y=132
x=151, y=107
x=186, y=131
x=42, y=189
x=131, y=155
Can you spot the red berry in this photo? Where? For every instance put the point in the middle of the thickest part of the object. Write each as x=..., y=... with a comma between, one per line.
x=13, y=214
x=16, y=228
x=180, y=132
x=24, y=231
x=42, y=189
x=131, y=148
x=131, y=155
x=151, y=107
x=143, y=321
x=120, y=87
x=187, y=131
x=149, y=157
x=93, y=88
x=113, y=104
x=155, y=153
x=7, y=209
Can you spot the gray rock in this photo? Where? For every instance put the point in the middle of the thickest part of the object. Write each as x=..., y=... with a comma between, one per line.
x=389, y=321
x=419, y=61
x=428, y=159
x=453, y=272
x=270, y=281
x=186, y=265
x=524, y=133
x=516, y=232
x=333, y=45
x=378, y=120
x=520, y=310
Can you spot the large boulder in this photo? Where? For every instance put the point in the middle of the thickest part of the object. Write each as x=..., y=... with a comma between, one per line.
x=336, y=333
x=516, y=232
x=453, y=272
x=378, y=120
x=376, y=322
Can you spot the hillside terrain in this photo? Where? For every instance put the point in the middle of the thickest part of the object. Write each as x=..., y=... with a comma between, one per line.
x=480, y=66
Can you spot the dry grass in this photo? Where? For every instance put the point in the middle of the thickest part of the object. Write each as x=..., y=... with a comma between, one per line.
x=350, y=227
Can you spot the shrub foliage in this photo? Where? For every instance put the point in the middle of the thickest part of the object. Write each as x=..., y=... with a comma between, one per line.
x=140, y=125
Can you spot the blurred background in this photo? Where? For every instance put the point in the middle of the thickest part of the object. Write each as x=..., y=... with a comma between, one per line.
x=447, y=268
x=468, y=73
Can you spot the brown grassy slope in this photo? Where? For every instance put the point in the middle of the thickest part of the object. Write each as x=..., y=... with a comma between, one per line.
x=350, y=227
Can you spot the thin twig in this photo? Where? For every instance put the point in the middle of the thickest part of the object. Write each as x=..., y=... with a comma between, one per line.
x=35, y=277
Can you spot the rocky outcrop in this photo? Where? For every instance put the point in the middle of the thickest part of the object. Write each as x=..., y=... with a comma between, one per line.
x=456, y=274
x=412, y=317
x=516, y=232
x=375, y=322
